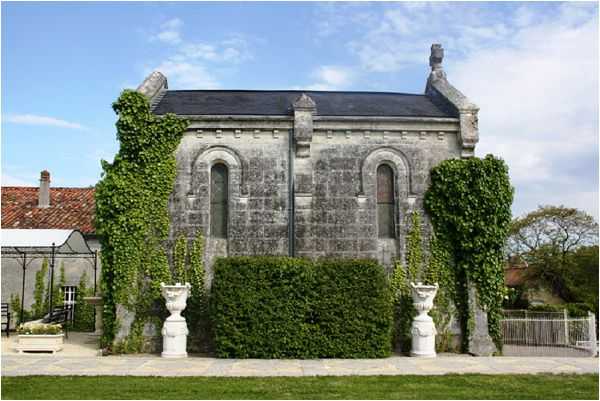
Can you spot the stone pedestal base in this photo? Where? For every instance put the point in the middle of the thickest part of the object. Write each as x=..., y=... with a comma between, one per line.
x=423, y=337
x=174, y=334
x=480, y=342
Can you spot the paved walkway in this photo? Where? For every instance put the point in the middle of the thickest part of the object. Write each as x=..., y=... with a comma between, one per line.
x=150, y=365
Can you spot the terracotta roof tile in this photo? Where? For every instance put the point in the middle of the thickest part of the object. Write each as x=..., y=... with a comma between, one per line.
x=70, y=208
x=514, y=276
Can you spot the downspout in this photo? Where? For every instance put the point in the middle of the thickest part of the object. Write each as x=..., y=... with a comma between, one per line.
x=291, y=196
x=23, y=288
x=50, y=306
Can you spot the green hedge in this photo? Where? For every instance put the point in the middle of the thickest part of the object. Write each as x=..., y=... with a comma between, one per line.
x=280, y=307
x=574, y=309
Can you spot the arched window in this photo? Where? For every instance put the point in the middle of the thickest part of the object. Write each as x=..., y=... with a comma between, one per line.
x=385, y=202
x=219, y=197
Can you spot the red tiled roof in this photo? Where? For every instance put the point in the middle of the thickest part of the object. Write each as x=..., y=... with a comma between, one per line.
x=514, y=276
x=70, y=208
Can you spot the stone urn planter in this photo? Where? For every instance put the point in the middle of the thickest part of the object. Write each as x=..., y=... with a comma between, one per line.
x=174, y=330
x=39, y=337
x=423, y=329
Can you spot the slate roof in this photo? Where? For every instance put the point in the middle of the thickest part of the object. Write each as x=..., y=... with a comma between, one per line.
x=279, y=103
x=70, y=208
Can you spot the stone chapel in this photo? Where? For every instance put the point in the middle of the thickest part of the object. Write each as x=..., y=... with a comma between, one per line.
x=310, y=173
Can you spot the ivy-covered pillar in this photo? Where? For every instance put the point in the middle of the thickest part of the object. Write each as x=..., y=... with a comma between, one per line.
x=469, y=204
x=132, y=220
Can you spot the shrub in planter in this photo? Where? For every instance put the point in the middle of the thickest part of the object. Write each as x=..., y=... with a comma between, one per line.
x=39, y=328
x=39, y=337
x=281, y=307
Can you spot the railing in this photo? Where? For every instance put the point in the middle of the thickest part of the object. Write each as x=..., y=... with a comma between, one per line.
x=528, y=333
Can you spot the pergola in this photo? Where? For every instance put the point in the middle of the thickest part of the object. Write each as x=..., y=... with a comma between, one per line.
x=30, y=244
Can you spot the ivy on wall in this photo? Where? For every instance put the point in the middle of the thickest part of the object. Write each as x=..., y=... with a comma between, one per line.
x=469, y=203
x=39, y=305
x=132, y=217
x=188, y=266
x=428, y=262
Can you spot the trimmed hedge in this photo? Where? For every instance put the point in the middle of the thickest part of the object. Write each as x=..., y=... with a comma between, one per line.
x=281, y=307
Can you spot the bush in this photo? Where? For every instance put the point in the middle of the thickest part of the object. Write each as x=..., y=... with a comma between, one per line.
x=39, y=328
x=574, y=309
x=84, y=311
x=280, y=307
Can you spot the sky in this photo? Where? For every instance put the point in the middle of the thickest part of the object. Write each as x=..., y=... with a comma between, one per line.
x=532, y=68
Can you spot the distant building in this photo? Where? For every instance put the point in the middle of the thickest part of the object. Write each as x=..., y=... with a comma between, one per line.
x=45, y=207
x=515, y=276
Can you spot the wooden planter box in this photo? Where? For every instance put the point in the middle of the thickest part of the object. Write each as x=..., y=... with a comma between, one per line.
x=40, y=342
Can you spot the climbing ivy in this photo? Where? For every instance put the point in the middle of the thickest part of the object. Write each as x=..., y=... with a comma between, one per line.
x=57, y=291
x=84, y=311
x=439, y=270
x=180, y=258
x=414, y=251
x=196, y=312
x=404, y=311
x=131, y=213
x=39, y=305
x=403, y=308
x=469, y=204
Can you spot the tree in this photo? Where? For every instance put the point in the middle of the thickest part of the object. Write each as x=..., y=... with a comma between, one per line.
x=562, y=229
x=559, y=245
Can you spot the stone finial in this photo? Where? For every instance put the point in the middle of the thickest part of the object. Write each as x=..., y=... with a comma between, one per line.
x=304, y=102
x=435, y=61
x=436, y=57
x=153, y=84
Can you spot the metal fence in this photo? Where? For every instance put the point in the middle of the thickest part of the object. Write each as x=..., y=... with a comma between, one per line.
x=527, y=333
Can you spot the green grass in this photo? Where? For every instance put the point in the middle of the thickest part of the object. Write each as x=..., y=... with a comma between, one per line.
x=350, y=387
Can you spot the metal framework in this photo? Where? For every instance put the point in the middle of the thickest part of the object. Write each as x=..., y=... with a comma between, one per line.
x=27, y=251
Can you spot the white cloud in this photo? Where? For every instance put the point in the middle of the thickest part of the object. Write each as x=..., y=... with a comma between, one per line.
x=539, y=107
x=170, y=32
x=187, y=75
x=532, y=68
x=331, y=77
x=191, y=62
x=12, y=181
x=32, y=119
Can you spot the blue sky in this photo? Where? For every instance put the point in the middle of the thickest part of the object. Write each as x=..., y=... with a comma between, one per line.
x=531, y=67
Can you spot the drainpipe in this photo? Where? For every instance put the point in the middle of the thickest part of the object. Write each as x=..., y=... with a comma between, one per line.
x=291, y=195
x=23, y=288
x=50, y=306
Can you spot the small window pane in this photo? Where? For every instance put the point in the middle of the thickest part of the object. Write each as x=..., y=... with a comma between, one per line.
x=218, y=201
x=385, y=202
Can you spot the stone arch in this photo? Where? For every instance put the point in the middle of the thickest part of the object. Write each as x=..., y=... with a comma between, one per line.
x=230, y=158
x=399, y=164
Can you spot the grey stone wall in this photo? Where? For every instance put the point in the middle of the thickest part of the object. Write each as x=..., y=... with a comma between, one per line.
x=335, y=190
x=257, y=160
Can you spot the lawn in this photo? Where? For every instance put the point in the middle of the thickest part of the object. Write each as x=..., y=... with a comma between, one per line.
x=350, y=387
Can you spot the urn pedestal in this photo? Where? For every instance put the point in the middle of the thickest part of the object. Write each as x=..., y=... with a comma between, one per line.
x=174, y=330
x=97, y=302
x=423, y=329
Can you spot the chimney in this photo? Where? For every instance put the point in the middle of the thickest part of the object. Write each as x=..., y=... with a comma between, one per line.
x=44, y=193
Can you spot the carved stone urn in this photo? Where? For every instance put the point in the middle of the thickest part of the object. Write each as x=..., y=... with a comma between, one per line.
x=174, y=330
x=423, y=329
